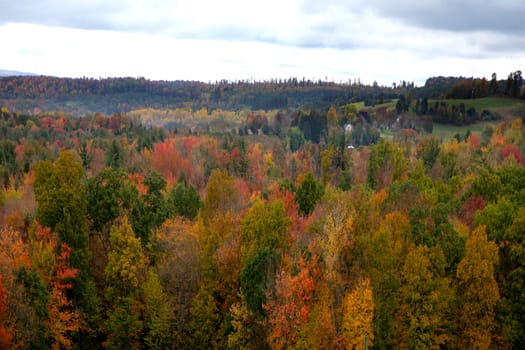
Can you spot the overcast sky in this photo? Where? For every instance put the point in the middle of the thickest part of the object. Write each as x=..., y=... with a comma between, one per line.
x=382, y=40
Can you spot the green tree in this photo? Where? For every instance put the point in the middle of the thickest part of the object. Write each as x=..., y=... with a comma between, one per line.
x=157, y=313
x=385, y=253
x=124, y=325
x=350, y=114
x=115, y=155
x=295, y=138
x=125, y=275
x=61, y=195
x=184, y=200
x=205, y=321
x=108, y=193
x=309, y=193
x=264, y=226
x=38, y=297
x=428, y=150
x=8, y=163
x=387, y=164
x=513, y=260
x=254, y=279
x=264, y=238
x=152, y=209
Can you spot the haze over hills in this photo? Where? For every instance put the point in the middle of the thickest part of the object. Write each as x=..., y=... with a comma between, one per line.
x=12, y=73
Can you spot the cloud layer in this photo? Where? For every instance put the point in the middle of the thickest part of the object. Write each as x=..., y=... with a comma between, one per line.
x=379, y=31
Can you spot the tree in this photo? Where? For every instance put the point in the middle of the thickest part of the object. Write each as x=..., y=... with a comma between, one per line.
x=126, y=268
x=19, y=319
x=288, y=308
x=152, y=210
x=385, y=252
x=125, y=274
x=115, y=155
x=51, y=262
x=61, y=195
x=124, y=325
x=477, y=291
x=157, y=313
x=513, y=291
x=221, y=195
x=295, y=138
x=264, y=238
x=514, y=83
x=8, y=162
x=248, y=331
x=183, y=200
x=254, y=279
x=387, y=164
x=313, y=124
x=308, y=194
x=428, y=150
x=425, y=296
x=108, y=194
x=350, y=114
x=264, y=227
x=358, y=314
x=177, y=258
x=205, y=321
x=6, y=335
x=332, y=118
x=493, y=88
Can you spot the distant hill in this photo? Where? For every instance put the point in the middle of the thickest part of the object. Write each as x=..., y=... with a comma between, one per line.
x=80, y=96
x=13, y=73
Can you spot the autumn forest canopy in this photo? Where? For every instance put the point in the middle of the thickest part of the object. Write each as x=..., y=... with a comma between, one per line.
x=262, y=215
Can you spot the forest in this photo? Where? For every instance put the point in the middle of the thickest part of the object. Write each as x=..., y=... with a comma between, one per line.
x=272, y=215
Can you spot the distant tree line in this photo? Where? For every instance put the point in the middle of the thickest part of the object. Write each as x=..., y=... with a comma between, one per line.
x=478, y=88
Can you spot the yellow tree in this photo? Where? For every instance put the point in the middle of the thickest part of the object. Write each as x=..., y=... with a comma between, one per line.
x=125, y=274
x=425, y=296
x=384, y=255
x=337, y=237
x=478, y=291
x=358, y=315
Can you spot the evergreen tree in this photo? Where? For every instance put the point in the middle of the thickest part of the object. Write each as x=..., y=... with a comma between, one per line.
x=308, y=194
x=184, y=200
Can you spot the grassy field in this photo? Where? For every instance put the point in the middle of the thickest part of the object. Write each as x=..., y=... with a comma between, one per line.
x=447, y=132
x=508, y=108
x=480, y=104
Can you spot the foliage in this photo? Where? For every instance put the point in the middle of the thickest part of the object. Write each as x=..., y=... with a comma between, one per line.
x=308, y=194
x=358, y=314
x=183, y=200
x=413, y=242
x=477, y=291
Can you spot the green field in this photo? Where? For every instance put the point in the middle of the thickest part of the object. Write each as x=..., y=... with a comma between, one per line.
x=447, y=132
x=482, y=103
x=508, y=108
x=361, y=105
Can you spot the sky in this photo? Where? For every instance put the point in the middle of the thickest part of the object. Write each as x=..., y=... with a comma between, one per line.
x=208, y=40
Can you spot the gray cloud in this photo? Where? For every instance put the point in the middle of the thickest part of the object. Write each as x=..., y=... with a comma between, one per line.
x=468, y=27
x=75, y=14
